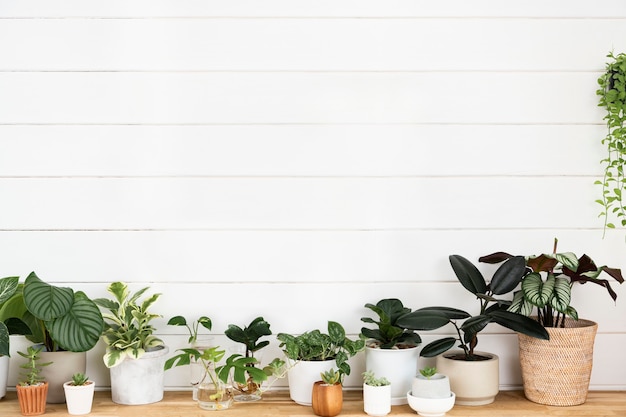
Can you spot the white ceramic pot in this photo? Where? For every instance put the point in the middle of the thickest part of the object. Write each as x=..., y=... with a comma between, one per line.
x=398, y=365
x=303, y=375
x=79, y=399
x=4, y=375
x=139, y=381
x=377, y=400
x=437, y=386
x=63, y=366
x=473, y=382
x=431, y=407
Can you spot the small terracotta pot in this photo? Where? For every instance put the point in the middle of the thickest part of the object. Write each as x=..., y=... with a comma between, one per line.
x=32, y=398
x=327, y=400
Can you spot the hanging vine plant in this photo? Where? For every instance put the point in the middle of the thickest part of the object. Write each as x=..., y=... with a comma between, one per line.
x=612, y=93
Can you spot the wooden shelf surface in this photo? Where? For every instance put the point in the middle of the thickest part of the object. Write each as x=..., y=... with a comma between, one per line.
x=177, y=403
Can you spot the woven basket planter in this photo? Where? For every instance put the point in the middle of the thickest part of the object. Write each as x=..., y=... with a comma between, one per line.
x=557, y=371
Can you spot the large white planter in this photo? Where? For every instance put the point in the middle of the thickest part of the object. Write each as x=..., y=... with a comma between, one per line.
x=63, y=366
x=473, y=382
x=139, y=381
x=377, y=400
x=4, y=375
x=398, y=365
x=79, y=399
x=302, y=376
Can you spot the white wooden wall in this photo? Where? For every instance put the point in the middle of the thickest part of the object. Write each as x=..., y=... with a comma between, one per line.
x=298, y=159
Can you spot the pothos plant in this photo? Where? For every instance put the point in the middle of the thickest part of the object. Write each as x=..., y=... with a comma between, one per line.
x=317, y=346
x=612, y=93
x=127, y=331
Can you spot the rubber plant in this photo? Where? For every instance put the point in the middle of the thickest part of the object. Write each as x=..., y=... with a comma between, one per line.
x=612, y=93
x=493, y=308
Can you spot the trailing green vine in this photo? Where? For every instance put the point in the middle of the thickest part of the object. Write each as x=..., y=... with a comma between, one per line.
x=612, y=94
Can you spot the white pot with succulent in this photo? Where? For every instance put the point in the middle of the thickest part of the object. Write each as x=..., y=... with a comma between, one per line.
x=430, y=393
x=79, y=394
x=376, y=395
x=137, y=370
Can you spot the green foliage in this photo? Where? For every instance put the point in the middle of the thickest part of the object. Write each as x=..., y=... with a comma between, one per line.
x=389, y=333
x=127, y=331
x=492, y=308
x=32, y=368
x=317, y=346
x=612, y=93
x=241, y=367
x=203, y=321
x=58, y=317
x=8, y=287
x=79, y=379
x=369, y=378
x=428, y=372
x=331, y=377
x=547, y=283
x=249, y=336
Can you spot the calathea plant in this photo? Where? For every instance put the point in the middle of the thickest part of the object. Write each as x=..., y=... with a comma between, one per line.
x=58, y=317
x=612, y=93
x=492, y=309
x=548, y=280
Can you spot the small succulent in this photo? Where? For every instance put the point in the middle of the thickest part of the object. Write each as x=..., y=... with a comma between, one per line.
x=331, y=377
x=369, y=378
x=428, y=372
x=79, y=379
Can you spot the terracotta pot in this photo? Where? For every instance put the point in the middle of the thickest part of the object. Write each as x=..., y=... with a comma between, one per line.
x=557, y=371
x=327, y=399
x=32, y=399
x=473, y=382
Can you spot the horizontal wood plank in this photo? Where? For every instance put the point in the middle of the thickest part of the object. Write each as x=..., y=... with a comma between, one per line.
x=309, y=45
x=301, y=150
x=269, y=97
x=296, y=203
x=313, y=8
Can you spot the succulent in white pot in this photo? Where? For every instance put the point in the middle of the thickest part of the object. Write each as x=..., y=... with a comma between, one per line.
x=79, y=394
x=430, y=393
x=376, y=395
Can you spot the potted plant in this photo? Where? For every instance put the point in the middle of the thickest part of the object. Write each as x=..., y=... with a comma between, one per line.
x=314, y=352
x=79, y=394
x=65, y=322
x=376, y=395
x=249, y=337
x=214, y=392
x=8, y=287
x=327, y=394
x=133, y=352
x=545, y=295
x=193, y=328
x=391, y=349
x=612, y=92
x=462, y=365
x=32, y=389
x=430, y=394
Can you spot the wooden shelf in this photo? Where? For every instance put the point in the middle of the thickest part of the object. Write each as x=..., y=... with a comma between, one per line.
x=507, y=404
